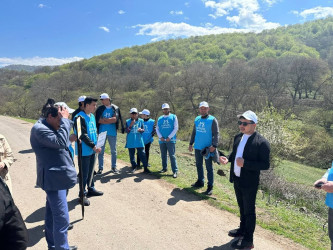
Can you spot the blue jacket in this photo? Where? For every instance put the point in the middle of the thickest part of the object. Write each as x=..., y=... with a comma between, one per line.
x=55, y=167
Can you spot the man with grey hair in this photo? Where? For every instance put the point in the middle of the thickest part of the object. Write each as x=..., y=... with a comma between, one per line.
x=250, y=155
x=205, y=134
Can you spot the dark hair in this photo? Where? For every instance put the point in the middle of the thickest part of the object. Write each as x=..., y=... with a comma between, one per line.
x=51, y=110
x=89, y=100
x=49, y=103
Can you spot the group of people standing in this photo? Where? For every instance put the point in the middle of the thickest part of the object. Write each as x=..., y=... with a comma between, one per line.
x=51, y=141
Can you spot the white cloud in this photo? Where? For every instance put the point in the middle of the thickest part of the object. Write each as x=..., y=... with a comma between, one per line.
x=104, y=28
x=121, y=12
x=175, y=12
x=270, y=2
x=316, y=12
x=247, y=17
x=187, y=4
x=41, y=6
x=167, y=30
x=37, y=61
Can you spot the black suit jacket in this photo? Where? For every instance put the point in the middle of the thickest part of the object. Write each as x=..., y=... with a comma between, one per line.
x=256, y=157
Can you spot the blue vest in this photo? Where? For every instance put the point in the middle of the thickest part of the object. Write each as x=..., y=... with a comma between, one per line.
x=134, y=138
x=203, y=132
x=329, y=196
x=149, y=127
x=110, y=128
x=166, y=126
x=91, y=131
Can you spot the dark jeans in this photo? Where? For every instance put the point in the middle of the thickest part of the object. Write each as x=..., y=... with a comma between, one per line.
x=330, y=225
x=141, y=154
x=246, y=199
x=87, y=169
x=147, y=148
x=209, y=166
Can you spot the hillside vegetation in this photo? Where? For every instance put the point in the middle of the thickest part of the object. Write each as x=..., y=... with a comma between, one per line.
x=285, y=74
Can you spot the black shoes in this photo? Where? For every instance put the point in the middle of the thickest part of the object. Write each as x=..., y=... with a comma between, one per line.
x=99, y=171
x=133, y=170
x=147, y=170
x=175, y=174
x=94, y=192
x=236, y=233
x=86, y=202
x=163, y=170
x=242, y=244
x=115, y=170
x=198, y=184
x=70, y=226
x=73, y=247
x=209, y=190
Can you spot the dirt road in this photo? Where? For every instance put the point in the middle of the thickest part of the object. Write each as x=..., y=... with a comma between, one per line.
x=136, y=211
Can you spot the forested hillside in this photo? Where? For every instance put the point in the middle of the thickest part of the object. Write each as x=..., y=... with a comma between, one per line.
x=284, y=74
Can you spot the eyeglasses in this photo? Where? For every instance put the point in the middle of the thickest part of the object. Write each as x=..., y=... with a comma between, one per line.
x=244, y=123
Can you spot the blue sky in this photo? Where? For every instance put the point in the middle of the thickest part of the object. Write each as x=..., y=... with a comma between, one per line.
x=53, y=32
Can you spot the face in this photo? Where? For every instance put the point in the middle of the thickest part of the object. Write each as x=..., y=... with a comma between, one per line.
x=166, y=111
x=106, y=102
x=203, y=111
x=248, y=129
x=90, y=108
x=54, y=121
x=134, y=116
x=144, y=116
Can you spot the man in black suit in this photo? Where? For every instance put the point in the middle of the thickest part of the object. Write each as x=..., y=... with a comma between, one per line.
x=250, y=154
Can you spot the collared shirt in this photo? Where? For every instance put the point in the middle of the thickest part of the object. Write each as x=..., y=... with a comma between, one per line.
x=239, y=153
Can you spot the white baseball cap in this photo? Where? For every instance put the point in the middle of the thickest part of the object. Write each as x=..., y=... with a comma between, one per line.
x=165, y=106
x=104, y=96
x=145, y=112
x=203, y=104
x=81, y=98
x=249, y=115
x=62, y=104
x=133, y=110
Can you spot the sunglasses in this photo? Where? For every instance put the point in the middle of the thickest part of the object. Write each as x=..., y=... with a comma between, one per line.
x=244, y=123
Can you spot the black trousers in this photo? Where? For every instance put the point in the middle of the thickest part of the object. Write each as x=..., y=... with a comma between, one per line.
x=246, y=199
x=147, y=147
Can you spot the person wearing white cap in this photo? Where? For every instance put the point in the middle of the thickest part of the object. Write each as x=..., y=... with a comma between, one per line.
x=166, y=130
x=81, y=106
x=134, y=140
x=106, y=118
x=250, y=155
x=205, y=134
x=148, y=134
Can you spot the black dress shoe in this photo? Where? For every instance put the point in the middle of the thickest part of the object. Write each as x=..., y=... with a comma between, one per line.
x=163, y=170
x=73, y=247
x=99, y=171
x=147, y=170
x=94, y=192
x=70, y=226
x=198, y=184
x=236, y=233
